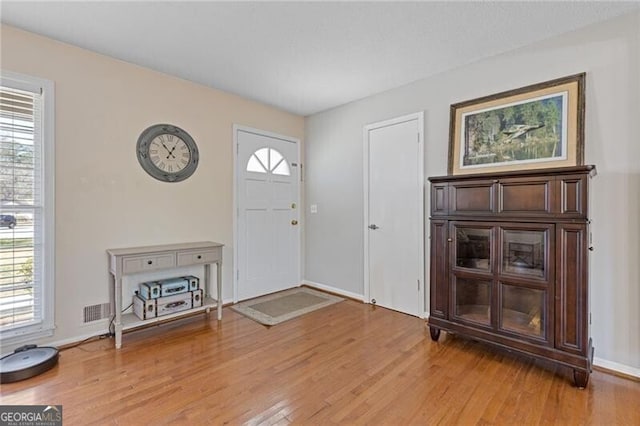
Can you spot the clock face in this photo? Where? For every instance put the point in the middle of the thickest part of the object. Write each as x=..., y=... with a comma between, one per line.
x=167, y=153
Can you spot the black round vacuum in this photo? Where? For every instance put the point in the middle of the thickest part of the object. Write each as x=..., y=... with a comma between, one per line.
x=27, y=361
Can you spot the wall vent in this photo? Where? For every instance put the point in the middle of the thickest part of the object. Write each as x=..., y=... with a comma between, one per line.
x=97, y=312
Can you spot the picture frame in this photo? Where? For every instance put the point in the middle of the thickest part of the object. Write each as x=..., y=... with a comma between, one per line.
x=532, y=127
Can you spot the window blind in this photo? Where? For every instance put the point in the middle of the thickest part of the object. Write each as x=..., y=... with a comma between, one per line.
x=21, y=209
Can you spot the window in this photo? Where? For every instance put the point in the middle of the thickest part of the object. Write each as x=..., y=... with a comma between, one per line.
x=267, y=160
x=26, y=207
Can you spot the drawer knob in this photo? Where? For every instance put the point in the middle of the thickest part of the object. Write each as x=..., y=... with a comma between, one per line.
x=450, y=239
x=199, y=256
x=149, y=262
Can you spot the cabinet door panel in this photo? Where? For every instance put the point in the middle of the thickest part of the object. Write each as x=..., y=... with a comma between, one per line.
x=471, y=198
x=439, y=274
x=571, y=290
x=573, y=195
x=439, y=199
x=531, y=197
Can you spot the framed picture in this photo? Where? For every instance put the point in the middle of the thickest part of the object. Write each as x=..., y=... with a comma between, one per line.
x=538, y=126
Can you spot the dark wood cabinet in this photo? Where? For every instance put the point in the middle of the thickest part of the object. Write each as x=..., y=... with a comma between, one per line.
x=509, y=262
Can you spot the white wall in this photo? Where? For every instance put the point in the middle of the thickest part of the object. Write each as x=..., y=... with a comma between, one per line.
x=610, y=55
x=103, y=197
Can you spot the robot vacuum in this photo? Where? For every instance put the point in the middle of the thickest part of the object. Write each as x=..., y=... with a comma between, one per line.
x=27, y=361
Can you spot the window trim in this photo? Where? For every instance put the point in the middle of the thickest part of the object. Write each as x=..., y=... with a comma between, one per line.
x=45, y=327
x=270, y=167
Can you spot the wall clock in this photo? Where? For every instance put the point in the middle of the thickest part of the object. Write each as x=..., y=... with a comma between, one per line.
x=167, y=153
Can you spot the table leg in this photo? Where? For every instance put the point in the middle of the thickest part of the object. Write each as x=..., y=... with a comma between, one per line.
x=219, y=285
x=118, y=311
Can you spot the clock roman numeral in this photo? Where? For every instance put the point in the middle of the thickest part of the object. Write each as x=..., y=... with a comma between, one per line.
x=185, y=154
x=170, y=138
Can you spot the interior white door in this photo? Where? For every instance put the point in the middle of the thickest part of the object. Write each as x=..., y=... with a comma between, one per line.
x=267, y=196
x=394, y=214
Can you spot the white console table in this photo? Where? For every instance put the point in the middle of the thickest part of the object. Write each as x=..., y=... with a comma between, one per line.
x=136, y=260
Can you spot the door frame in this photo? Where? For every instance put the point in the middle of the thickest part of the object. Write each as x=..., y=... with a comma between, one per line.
x=419, y=117
x=236, y=208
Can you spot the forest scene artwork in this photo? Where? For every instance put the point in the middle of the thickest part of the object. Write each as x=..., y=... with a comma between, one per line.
x=527, y=131
x=532, y=127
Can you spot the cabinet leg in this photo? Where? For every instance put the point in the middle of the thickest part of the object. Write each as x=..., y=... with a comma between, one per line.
x=580, y=378
x=435, y=333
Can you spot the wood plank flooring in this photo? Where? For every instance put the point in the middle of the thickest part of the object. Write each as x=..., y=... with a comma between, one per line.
x=348, y=363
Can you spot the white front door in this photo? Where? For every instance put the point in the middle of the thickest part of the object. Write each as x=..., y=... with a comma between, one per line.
x=394, y=228
x=267, y=199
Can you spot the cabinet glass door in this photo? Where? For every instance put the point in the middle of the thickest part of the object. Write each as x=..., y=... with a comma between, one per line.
x=473, y=300
x=525, y=280
x=473, y=247
x=523, y=310
x=523, y=252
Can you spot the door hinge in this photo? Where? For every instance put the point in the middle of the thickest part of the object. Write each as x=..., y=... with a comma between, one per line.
x=238, y=274
x=418, y=137
x=418, y=285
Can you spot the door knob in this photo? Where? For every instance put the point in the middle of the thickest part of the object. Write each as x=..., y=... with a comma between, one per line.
x=294, y=222
x=373, y=226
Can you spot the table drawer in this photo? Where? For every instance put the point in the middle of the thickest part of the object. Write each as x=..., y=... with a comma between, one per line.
x=131, y=265
x=199, y=257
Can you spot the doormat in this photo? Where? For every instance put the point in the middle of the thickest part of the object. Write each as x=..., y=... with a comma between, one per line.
x=285, y=305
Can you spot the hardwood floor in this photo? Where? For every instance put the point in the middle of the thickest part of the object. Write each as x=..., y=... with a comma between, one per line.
x=348, y=363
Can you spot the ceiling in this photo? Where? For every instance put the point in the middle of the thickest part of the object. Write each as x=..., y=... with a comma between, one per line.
x=304, y=57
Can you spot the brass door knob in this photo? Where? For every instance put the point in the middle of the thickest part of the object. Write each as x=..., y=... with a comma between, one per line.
x=294, y=222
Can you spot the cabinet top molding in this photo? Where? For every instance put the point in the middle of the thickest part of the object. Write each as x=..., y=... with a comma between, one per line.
x=590, y=169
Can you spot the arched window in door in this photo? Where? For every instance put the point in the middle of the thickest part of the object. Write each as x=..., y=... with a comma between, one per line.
x=268, y=160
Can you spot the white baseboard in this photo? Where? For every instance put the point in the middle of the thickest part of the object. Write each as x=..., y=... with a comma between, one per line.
x=76, y=339
x=621, y=368
x=335, y=290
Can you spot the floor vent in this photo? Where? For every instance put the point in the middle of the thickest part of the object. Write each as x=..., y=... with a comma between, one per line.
x=97, y=312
